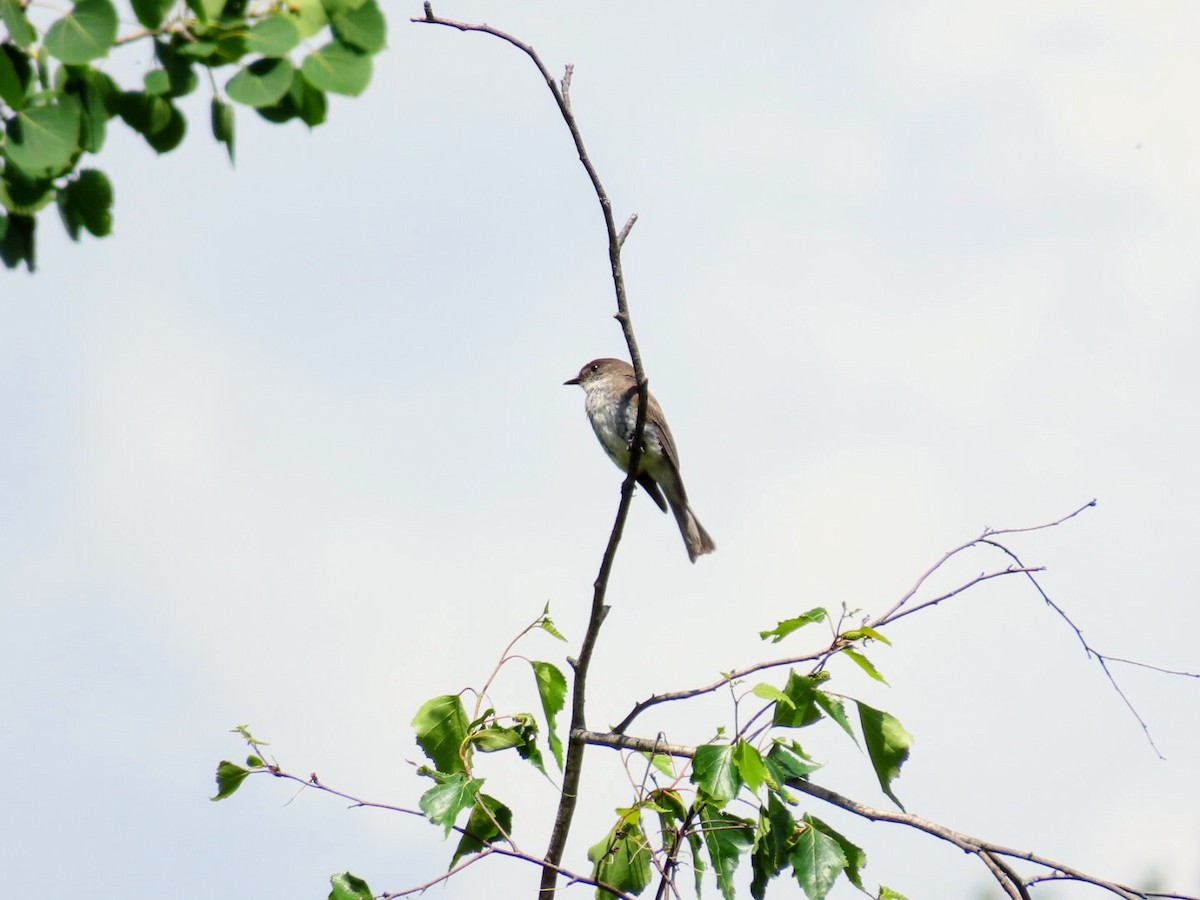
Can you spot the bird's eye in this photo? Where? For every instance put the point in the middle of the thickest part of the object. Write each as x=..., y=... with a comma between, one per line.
x=594, y=368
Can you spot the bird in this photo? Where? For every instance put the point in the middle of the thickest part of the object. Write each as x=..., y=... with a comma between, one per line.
x=611, y=402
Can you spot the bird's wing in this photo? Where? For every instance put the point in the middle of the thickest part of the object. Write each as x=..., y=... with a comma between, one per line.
x=650, y=486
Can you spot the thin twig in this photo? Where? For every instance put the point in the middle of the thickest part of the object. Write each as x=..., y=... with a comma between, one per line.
x=1008, y=879
x=624, y=232
x=1136, y=894
x=1087, y=648
x=1152, y=668
x=985, y=576
x=820, y=656
x=357, y=802
x=626, y=742
x=965, y=841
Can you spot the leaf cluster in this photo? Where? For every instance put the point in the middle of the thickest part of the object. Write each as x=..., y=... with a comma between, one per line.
x=741, y=800
x=450, y=739
x=56, y=102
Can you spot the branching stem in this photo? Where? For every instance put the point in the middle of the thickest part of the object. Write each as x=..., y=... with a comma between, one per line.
x=573, y=766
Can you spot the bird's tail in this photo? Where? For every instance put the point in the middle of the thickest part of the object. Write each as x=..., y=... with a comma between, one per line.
x=695, y=538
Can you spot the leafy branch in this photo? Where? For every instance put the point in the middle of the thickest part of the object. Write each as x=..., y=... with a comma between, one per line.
x=691, y=791
x=56, y=102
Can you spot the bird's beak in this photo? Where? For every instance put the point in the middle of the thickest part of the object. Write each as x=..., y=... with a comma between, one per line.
x=574, y=380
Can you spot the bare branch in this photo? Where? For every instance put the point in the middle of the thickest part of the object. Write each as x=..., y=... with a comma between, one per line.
x=512, y=852
x=624, y=233
x=625, y=742
x=1091, y=652
x=1136, y=894
x=901, y=609
x=987, y=576
x=1152, y=668
x=820, y=656
x=1009, y=880
x=987, y=532
x=967, y=842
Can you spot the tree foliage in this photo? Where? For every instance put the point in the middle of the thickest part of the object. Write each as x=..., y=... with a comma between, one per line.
x=56, y=100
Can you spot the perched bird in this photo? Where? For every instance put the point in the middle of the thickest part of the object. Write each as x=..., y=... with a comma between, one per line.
x=611, y=402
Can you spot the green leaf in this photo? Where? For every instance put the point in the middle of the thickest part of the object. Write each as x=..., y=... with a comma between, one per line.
x=12, y=88
x=302, y=101
x=787, y=626
x=17, y=241
x=178, y=66
x=547, y=625
x=622, y=859
x=660, y=761
x=836, y=710
x=714, y=771
x=273, y=35
x=776, y=834
x=151, y=13
x=309, y=16
x=155, y=118
x=856, y=857
x=552, y=689
x=261, y=83
x=770, y=692
x=481, y=826
x=42, y=140
x=16, y=77
x=171, y=135
x=489, y=740
x=86, y=202
x=864, y=664
x=801, y=690
x=670, y=807
x=244, y=731
x=887, y=745
x=156, y=82
x=443, y=802
x=333, y=7
x=206, y=10
x=22, y=33
x=749, y=764
x=215, y=45
x=87, y=32
x=23, y=195
x=817, y=860
x=364, y=27
x=872, y=633
x=886, y=893
x=726, y=838
x=339, y=69
x=784, y=766
x=349, y=887
x=222, y=124
x=97, y=96
x=229, y=778
x=672, y=813
x=441, y=726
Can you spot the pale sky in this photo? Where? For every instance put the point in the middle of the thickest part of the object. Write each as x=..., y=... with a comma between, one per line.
x=291, y=447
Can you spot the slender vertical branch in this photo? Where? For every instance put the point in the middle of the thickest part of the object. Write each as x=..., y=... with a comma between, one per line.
x=573, y=766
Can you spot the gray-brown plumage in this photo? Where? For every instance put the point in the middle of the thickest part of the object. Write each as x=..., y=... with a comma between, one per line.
x=611, y=401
